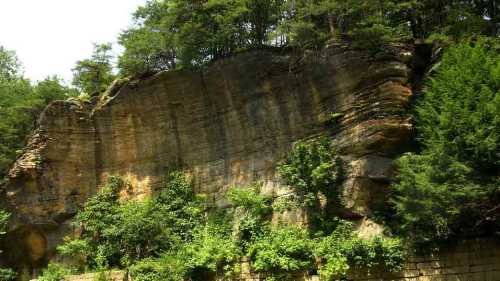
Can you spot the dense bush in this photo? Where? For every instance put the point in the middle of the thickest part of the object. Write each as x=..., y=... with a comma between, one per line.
x=119, y=233
x=451, y=188
x=250, y=214
x=153, y=270
x=55, y=272
x=166, y=238
x=281, y=251
x=211, y=252
x=314, y=170
x=343, y=249
x=7, y=274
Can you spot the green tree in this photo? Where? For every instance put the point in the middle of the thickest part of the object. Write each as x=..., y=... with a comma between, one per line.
x=146, y=51
x=176, y=33
x=10, y=67
x=192, y=33
x=20, y=104
x=94, y=75
x=455, y=18
x=451, y=188
x=52, y=88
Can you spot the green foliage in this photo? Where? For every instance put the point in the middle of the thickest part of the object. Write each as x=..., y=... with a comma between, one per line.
x=451, y=188
x=151, y=270
x=281, y=251
x=312, y=166
x=250, y=213
x=453, y=18
x=55, y=272
x=94, y=75
x=4, y=220
x=7, y=274
x=10, y=67
x=313, y=169
x=144, y=52
x=21, y=102
x=459, y=113
x=119, y=233
x=51, y=89
x=211, y=251
x=168, y=238
x=178, y=207
x=369, y=22
x=103, y=275
x=343, y=249
x=185, y=33
x=287, y=202
x=168, y=34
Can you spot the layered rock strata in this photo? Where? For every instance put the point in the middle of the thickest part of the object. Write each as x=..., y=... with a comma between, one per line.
x=226, y=125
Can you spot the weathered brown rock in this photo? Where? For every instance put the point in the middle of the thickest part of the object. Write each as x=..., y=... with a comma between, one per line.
x=226, y=125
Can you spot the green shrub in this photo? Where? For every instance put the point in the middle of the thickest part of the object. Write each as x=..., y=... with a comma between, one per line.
x=281, y=251
x=312, y=166
x=103, y=275
x=120, y=233
x=178, y=206
x=250, y=213
x=7, y=274
x=169, y=238
x=287, y=202
x=343, y=249
x=150, y=270
x=55, y=272
x=312, y=169
x=211, y=252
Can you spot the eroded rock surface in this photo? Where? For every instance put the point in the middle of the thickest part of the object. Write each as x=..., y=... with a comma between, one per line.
x=226, y=125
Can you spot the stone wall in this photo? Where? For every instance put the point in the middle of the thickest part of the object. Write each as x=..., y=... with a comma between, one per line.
x=477, y=260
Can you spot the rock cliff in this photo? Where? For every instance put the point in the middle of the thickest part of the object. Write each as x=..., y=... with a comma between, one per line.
x=228, y=124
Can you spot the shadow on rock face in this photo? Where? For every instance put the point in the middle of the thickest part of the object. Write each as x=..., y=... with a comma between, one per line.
x=26, y=250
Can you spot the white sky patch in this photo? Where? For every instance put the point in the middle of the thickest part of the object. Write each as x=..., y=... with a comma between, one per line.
x=49, y=36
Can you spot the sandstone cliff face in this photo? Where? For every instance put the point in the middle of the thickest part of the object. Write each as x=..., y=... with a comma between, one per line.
x=226, y=125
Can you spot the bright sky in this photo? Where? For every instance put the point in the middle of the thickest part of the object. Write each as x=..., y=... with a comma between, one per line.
x=49, y=36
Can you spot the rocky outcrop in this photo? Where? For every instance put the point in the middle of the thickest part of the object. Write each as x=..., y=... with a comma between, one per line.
x=226, y=125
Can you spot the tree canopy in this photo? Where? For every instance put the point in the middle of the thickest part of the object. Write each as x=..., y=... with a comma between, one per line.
x=168, y=34
x=93, y=75
x=452, y=187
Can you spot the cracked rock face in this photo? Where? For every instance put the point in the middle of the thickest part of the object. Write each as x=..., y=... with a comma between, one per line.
x=228, y=124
